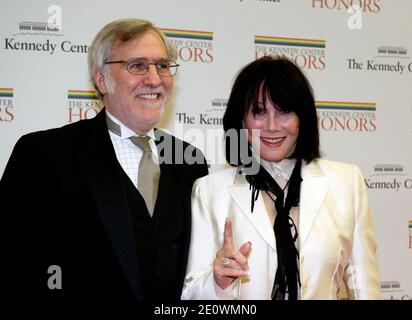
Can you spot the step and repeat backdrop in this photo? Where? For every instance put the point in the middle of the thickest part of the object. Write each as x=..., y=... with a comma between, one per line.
x=356, y=53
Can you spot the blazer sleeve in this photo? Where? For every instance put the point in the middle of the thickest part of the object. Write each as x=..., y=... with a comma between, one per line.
x=22, y=186
x=205, y=242
x=361, y=274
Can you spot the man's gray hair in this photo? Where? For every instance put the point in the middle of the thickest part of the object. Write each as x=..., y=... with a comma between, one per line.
x=122, y=30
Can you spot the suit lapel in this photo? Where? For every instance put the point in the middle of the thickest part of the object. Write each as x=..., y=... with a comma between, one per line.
x=241, y=194
x=102, y=171
x=313, y=191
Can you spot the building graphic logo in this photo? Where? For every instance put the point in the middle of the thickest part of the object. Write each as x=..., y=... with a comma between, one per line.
x=41, y=36
x=38, y=28
x=82, y=105
x=393, y=168
x=385, y=59
x=52, y=27
x=392, y=290
x=192, y=46
x=388, y=177
x=6, y=105
x=212, y=116
x=346, y=116
x=390, y=285
x=306, y=53
x=392, y=52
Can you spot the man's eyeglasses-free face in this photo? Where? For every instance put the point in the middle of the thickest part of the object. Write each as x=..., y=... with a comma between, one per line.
x=165, y=68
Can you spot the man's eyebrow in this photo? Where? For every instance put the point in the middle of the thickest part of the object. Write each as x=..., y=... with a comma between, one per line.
x=147, y=59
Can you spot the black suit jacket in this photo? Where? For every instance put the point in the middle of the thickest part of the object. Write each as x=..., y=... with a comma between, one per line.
x=64, y=204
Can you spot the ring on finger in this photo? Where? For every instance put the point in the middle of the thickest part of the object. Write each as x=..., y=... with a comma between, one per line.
x=225, y=261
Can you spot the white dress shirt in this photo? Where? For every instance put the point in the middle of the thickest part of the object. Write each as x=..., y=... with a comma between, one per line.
x=127, y=153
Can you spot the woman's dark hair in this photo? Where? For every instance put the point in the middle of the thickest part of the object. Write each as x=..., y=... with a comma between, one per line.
x=280, y=81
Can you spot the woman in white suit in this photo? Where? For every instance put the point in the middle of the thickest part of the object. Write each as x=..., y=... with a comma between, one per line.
x=286, y=225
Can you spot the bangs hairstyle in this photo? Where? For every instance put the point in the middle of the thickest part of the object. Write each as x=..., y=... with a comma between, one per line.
x=280, y=81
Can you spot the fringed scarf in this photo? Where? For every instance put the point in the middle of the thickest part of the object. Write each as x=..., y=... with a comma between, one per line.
x=287, y=273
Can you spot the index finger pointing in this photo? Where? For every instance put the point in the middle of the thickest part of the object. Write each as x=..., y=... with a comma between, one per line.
x=227, y=234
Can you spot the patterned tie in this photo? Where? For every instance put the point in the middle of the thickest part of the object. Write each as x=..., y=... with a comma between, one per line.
x=149, y=173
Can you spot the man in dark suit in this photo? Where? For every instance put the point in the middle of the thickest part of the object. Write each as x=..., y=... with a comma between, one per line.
x=78, y=219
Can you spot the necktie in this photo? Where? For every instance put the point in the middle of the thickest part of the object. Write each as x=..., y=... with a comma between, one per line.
x=149, y=173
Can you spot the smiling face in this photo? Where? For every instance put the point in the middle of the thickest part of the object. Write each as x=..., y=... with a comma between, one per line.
x=271, y=131
x=138, y=101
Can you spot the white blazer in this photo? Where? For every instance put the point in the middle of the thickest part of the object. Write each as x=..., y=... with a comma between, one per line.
x=336, y=235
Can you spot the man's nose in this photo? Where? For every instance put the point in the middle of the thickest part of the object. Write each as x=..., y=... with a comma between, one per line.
x=152, y=78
